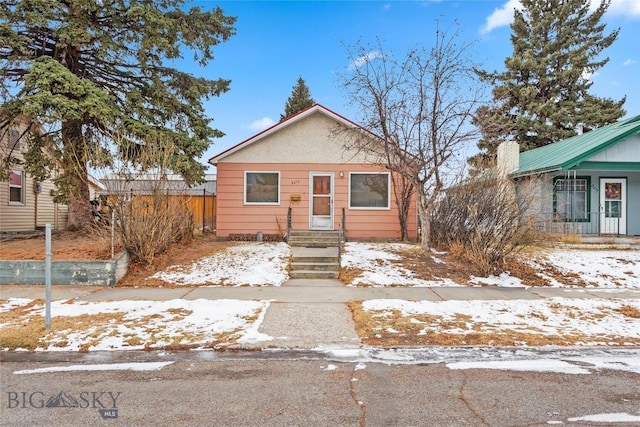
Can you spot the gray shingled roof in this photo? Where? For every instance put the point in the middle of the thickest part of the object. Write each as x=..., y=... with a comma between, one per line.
x=147, y=183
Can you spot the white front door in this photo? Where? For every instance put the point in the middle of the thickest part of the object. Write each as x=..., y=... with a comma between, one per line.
x=613, y=205
x=321, y=201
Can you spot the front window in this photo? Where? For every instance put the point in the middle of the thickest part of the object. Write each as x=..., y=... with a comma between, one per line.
x=571, y=199
x=262, y=188
x=369, y=190
x=16, y=186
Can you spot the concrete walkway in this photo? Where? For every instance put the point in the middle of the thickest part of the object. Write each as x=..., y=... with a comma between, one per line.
x=311, y=291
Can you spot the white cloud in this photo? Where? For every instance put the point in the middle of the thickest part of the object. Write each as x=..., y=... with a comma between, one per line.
x=262, y=123
x=627, y=8
x=629, y=61
x=358, y=62
x=502, y=16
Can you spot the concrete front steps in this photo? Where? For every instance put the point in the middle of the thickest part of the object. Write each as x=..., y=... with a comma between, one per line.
x=314, y=254
x=314, y=239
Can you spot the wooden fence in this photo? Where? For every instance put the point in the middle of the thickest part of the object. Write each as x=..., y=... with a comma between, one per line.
x=202, y=205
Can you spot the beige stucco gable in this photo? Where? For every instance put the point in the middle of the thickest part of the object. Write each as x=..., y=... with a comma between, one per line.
x=316, y=138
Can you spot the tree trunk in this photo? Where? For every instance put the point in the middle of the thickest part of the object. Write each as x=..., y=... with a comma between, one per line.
x=75, y=183
x=424, y=213
x=403, y=191
x=80, y=215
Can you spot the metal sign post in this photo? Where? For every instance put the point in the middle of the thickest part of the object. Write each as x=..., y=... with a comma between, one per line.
x=47, y=278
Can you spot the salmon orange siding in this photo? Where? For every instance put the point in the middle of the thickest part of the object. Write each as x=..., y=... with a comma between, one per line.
x=285, y=157
x=235, y=216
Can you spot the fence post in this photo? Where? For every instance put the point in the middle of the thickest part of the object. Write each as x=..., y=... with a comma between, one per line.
x=204, y=207
x=47, y=277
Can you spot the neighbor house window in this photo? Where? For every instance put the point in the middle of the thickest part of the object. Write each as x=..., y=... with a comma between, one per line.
x=571, y=199
x=369, y=190
x=262, y=188
x=16, y=186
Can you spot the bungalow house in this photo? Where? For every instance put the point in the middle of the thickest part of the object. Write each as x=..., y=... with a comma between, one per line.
x=302, y=174
x=25, y=204
x=587, y=184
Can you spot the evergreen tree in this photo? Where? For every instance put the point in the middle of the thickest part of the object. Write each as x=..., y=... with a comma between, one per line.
x=97, y=74
x=299, y=100
x=543, y=95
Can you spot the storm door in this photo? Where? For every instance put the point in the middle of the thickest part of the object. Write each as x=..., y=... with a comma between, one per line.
x=613, y=205
x=321, y=201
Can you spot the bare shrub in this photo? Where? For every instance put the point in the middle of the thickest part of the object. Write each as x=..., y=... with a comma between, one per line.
x=481, y=221
x=151, y=211
x=149, y=224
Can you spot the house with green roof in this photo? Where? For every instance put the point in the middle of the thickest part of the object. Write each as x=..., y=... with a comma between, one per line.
x=587, y=184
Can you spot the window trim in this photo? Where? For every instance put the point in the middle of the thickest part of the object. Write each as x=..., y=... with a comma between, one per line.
x=244, y=192
x=587, y=201
x=21, y=187
x=373, y=208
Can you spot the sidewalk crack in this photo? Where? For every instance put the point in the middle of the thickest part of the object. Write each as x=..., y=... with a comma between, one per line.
x=464, y=400
x=361, y=404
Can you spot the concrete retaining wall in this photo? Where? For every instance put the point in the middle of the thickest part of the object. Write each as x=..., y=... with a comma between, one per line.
x=93, y=273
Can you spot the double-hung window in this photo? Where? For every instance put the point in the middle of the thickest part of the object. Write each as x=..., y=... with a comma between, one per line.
x=571, y=199
x=262, y=188
x=16, y=186
x=369, y=190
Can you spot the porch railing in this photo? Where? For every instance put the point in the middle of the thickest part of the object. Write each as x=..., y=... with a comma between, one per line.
x=286, y=237
x=587, y=223
x=342, y=234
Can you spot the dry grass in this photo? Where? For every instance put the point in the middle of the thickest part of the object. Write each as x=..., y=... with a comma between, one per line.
x=456, y=266
x=348, y=275
x=28, y=331
x=629, y=311
x=390, y=328
x=22, y=329
x=180, y=254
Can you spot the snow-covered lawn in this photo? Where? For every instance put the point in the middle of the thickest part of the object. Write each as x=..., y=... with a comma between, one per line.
x=381, y=264
x=553, y=321
x=130, y=325
x=113, y=325
x=249, y=264
x=376, y=260
x=598, y=268
x=117, y=325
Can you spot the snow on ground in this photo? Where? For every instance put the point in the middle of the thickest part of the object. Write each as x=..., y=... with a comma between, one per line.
x=598, y=268
x=202, y=322
x=376, y=262
x=252, y=264
x=594, y=319
x=503, y=280
x=160, y=323
x=265, y=264
x=622, y=417
x=131, y=366
x=576, y=360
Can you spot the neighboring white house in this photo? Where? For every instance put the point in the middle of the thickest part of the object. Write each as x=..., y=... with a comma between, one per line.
x=26, y=204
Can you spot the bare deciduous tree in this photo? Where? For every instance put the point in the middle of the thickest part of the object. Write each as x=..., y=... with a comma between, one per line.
x=483, y=220
x=421, y=106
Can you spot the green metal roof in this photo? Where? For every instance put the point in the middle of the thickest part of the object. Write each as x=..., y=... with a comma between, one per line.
x=569, y=153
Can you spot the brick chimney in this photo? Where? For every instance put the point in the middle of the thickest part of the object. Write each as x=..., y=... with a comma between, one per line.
x=508, y=158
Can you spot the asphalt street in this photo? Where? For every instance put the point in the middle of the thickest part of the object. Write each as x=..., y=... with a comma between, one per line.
x=305, y=390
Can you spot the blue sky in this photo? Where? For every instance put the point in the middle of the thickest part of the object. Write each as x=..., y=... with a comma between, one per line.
x=278, y=41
